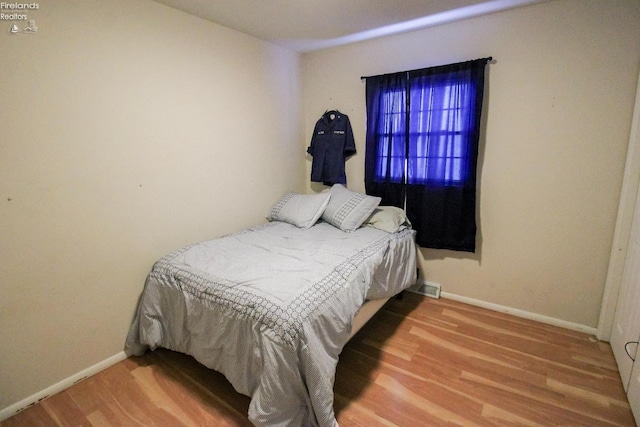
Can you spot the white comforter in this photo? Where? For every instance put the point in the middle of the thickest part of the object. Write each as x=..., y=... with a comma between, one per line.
x=271, y=308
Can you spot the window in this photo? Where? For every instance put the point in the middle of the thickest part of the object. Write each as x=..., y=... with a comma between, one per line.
x=423, y=130
x=391, y=160
x=436, y=115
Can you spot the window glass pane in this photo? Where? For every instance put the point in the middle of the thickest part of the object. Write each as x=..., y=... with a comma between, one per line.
x=439, y=114
x=391, y=152
x=459, y=148
x=439, y=122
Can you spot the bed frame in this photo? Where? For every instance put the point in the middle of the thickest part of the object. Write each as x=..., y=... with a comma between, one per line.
x=367, y=311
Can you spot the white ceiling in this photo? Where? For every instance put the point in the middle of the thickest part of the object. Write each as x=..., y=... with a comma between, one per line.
x=306, y=25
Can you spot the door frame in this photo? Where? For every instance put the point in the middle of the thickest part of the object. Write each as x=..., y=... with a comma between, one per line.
x=626, y=208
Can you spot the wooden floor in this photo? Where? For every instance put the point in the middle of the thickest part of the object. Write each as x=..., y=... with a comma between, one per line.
x=420, y=362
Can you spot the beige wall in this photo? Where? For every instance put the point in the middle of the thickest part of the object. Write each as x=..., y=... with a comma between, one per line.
x=559, y=105
x=127, y=129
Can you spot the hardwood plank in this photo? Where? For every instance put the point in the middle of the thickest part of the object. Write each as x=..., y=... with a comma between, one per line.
x=419, y=362
x=64, y=411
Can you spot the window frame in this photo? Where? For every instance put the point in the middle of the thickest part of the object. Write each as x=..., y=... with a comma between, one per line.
x=417, y=156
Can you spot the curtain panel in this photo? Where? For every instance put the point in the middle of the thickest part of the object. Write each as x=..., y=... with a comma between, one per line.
x=423, y=131
x=386, y=141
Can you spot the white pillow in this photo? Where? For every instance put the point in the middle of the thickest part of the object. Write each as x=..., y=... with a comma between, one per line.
x=388, y=218
x=347, y=209
x=301, y=210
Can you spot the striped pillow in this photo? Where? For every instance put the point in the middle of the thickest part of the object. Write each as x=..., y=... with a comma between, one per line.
x=300, y=210
x=347, y=209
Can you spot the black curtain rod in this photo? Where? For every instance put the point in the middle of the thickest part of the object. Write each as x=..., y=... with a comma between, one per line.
x=488, y=59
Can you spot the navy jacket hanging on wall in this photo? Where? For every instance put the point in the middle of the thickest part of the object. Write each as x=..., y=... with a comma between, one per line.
x=332, y=142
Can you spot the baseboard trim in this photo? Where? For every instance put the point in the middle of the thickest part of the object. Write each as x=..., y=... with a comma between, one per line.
x=521, y=313
x=61, y=386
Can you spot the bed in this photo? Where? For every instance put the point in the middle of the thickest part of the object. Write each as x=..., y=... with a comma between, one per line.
x=272, y=306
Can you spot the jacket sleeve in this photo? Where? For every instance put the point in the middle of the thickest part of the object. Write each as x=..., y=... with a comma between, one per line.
x=310, y=148
x=349, y=143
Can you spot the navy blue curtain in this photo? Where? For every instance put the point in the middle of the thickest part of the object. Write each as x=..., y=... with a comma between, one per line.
x=386, y=138
x=423, y=131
